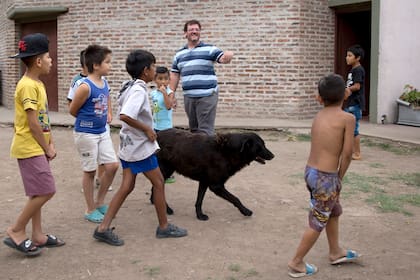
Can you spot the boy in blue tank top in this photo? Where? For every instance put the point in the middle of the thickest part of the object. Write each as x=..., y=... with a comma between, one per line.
x=90, y=106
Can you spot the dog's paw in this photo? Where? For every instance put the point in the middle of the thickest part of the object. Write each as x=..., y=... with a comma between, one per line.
x=202, y=217
x=246, y=212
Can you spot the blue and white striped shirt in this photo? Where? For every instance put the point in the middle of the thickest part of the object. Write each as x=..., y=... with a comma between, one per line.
x=196, y=69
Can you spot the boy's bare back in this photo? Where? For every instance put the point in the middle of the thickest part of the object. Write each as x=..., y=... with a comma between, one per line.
x=332, y=140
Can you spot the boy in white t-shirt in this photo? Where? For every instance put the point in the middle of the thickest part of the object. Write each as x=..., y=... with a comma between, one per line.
x=138, y=149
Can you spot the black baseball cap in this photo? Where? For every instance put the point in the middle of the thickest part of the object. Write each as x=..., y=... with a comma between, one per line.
x=31, y=45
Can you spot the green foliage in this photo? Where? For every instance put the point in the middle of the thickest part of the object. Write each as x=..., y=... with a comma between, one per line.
x=378, y=197
x=393, y=147
x=234, y=267
x=152, y=270
x=411, y=95
x=410, y=179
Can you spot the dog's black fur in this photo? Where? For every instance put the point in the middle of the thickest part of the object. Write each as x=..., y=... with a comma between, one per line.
x=210, y=160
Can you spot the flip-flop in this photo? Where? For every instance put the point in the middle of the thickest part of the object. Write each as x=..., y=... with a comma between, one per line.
x=310, y=270
x=26, y=246
x=52, y=241
x=349, y=257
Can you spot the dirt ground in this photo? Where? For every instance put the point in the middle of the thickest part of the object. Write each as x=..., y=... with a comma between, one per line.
x=228, y=245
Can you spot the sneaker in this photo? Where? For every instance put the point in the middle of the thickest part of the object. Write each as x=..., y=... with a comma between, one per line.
x=108, y=236
x=170, y=180
x=171, y=231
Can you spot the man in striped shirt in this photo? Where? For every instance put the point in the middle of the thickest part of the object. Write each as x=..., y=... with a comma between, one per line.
x=194, y=65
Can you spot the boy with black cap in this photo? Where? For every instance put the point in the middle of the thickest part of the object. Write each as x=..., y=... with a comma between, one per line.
x=33, y=146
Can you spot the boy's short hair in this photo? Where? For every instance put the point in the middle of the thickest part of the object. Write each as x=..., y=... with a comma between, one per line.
x=162, y=70
x=95, y=54
x=82, y=58
x=331, y=89
x=30, y=60
x=357, y=50
x=191, y=22
x=137, y=61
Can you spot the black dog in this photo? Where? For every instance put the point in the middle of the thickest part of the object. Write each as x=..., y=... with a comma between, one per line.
x=210, y=160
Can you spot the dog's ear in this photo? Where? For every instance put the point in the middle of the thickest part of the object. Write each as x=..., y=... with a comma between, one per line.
x=246, y=144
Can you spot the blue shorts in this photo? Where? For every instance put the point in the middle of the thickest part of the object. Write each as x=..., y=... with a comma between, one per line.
x=144, y=165
x=357, y=112
x=324, y=188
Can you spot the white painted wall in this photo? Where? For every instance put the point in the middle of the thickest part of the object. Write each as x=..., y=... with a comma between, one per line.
x=399, y=53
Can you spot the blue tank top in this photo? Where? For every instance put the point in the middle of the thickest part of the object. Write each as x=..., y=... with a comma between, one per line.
x=92, y=116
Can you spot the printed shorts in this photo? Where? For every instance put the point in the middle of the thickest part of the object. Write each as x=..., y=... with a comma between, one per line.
x=324, y=188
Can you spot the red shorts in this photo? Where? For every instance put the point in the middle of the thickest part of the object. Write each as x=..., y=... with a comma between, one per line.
x=36, y=176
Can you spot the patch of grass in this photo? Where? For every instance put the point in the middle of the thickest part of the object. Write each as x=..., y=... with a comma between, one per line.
x=303, y=137
x=387, y=203
x=152, y=270
x=295, y=137
x=413, y=199
x=390, y=146
x=376, y=165
x=357, y=182
x=354, y=183
x=410, y=179
x=235, y=267
x=250, y=273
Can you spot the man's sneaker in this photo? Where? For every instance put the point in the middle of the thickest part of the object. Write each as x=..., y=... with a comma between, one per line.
x=171, y=231
x=108, y=236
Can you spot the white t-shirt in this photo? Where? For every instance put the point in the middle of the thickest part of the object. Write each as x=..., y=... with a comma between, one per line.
x=73, y=87
x=134, y=103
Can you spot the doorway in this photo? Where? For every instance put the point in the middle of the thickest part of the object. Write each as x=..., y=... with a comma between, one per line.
x=50, y=81
x=353, y=26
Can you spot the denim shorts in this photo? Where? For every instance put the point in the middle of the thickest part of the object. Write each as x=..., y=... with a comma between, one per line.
x=357, y=112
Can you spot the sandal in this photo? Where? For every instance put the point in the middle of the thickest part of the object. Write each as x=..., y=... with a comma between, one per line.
x=95, y=216
x=52, y=241
x=26, y=246
x=103, y=209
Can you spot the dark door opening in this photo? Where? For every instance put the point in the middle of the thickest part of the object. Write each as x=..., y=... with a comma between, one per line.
x=353, y=27
x=50, y=81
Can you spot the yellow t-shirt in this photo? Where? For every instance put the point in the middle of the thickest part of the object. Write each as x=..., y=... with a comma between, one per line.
x=29, y=94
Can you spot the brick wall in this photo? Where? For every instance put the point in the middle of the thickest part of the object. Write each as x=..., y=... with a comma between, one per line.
x=281, y=47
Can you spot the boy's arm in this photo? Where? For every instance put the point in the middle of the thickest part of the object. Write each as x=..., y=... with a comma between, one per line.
x=349, y=90
x=347, y=150
x=38, y=134
x=150, y=133
x=109, y=117
x=80, y=97
x=167, y=98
